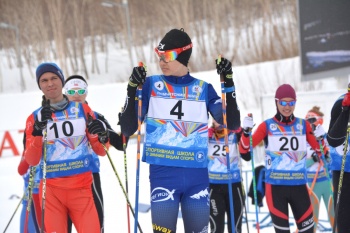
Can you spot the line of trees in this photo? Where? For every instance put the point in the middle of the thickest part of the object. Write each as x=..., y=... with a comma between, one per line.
x=64, y=30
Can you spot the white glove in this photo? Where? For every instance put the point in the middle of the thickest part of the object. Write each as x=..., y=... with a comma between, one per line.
x=248, y=123
x=319, y=131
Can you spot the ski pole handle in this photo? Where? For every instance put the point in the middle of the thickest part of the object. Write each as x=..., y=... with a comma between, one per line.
x=222, y=76
x=141, y=64
x=219, y=59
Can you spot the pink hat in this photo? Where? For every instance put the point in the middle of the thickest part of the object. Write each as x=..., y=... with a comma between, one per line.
x=285, y=91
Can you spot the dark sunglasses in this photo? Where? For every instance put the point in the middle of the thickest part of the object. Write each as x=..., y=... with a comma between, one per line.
x=312, y=120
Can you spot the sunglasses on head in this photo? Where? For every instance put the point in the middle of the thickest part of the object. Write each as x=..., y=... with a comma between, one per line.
x=285, y=103
x=170, y=55
x=312, y=120
x=73, y=92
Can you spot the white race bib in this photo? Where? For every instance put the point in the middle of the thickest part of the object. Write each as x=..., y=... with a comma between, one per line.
x=66, y=128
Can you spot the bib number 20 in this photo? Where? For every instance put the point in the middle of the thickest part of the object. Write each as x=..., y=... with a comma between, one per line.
x=289, y=143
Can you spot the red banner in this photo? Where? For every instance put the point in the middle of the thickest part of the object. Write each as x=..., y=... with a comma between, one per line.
x=11, y=143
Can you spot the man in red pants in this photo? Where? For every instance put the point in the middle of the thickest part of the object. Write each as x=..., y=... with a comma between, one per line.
x=59, y=138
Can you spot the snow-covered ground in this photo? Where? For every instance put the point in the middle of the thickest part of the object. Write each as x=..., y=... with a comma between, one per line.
x=108, y=99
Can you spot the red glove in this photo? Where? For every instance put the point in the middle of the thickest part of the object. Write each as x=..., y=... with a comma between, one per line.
x=346, y=100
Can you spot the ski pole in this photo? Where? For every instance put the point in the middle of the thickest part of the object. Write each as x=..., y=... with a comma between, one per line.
x=101, y=138
x=30, y=195
x=341, y=178
x=126, y=181
x=19, y=203
x=228, y=162
x=120, y=183
x=244, y=194
x=43, y=198
x=326, y=171
x=315, y=178
x=245, y=210
x=139, y=113
x=254, y=182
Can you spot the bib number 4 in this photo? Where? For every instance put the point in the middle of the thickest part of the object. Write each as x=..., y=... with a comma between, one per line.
x=177, y=110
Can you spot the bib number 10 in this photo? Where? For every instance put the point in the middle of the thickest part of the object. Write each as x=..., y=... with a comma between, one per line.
x=67, y=128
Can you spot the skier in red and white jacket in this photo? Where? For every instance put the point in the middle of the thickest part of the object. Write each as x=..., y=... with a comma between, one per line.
x=64, y=154
x=285, y=137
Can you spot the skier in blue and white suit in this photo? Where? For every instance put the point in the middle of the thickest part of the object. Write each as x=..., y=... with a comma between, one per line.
x=219, y=179
x=175, y=108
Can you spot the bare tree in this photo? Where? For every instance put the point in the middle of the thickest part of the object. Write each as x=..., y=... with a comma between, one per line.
x=244, y=31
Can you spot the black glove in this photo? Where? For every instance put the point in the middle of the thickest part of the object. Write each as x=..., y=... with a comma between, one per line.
x=225, y=67
x=138, y=76
x=315, y=157
x=98, y=127
x=327, y=155
x=116, y=140
x=42, y=117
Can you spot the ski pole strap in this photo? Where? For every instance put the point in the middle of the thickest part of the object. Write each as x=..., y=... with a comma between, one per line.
x=227, y=89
